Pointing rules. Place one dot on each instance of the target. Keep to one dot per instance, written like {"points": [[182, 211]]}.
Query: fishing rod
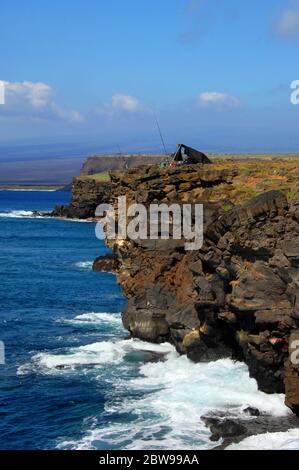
{"points": [[161, 136]]}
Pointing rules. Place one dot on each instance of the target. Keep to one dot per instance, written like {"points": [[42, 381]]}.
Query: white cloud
{"points": [[122, 105], [34, 94], [288, 23], [214, 98], [67, 114], [126, 103], [34, 99]]}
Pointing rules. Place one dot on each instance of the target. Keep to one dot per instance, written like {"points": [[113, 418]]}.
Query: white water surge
{"points": [[172, 397], [85, 265], [17, 214], [270, 441], [155, 403]]}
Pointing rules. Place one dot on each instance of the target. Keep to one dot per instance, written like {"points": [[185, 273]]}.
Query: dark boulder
{"points": [[108, 263], [224, 428], [250, 411]]}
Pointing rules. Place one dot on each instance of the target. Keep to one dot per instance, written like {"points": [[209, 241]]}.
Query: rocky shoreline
{"points": [[235, 297], [87, 193], [233, 429]]}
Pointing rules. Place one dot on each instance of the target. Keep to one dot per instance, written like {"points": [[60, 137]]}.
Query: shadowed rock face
{"points": [[233, 429], [87, 194], [105, 264], [236, 297]]}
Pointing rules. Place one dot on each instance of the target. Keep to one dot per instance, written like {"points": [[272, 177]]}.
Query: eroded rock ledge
{"points": [[236, 297], [87, 194]]}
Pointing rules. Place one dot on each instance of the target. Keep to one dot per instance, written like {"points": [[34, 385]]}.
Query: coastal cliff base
{"points": [[235, 297]]}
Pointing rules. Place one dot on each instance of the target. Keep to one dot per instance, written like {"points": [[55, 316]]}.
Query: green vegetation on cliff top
{"points": [[255, 174], [101, 177]]}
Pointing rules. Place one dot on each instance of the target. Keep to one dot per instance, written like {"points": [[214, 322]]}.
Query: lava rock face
{"points": [[105, 264], [87, 194], [238, 296], [234, 428]]}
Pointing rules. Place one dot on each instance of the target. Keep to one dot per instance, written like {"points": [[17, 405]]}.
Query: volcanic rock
{"points": [[235, 297]]}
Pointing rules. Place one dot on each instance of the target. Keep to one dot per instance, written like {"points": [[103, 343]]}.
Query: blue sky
{"points": [[217, 73]]}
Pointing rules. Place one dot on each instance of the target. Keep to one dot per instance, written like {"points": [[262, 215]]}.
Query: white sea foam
{"points": [[22, 214], [172, 396], [105, 352], [82, 221], [221, 385], [97, 321], [95, 354], [86, 265], [270, 441], [99, 318], [31, 190], [17, 214], [163, 401]]}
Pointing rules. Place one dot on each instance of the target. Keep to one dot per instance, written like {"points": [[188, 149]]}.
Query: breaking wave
{"points": [[17, 214], [96, 318], [162, 394], [154, 398], [270, 441], [95, 354], [85, 265], [30, 190], [22, 214], [104, 352], [172, 395]]}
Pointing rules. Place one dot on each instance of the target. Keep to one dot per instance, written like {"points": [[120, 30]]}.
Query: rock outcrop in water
{"points": [[236, 297], [234, 429], [105, 264]]}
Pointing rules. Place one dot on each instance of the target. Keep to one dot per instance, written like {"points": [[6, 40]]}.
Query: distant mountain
{"points": [[58, 162], [48, 163]]}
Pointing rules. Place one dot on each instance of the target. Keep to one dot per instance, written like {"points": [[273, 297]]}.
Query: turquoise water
{"points": [[71, 379]]}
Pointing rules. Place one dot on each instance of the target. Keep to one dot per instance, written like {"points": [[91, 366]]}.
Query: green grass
{"points": [[101, 177], [251, 177], [293, 194], [227, 207], [255, 177], [253, 156]]}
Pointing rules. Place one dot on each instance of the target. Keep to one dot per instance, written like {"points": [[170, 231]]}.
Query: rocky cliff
{"points": [[87, 194], [235, 297], [88, 191], [98, 164]]}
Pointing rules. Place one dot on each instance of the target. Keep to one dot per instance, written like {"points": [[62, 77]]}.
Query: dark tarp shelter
{"points": [[188, 155]]}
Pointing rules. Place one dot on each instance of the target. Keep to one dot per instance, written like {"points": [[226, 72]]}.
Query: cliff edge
{"points": [[235, 297], [99, 164]]}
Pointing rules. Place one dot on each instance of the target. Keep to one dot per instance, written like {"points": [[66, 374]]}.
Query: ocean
{"points": [[72, 379]]}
